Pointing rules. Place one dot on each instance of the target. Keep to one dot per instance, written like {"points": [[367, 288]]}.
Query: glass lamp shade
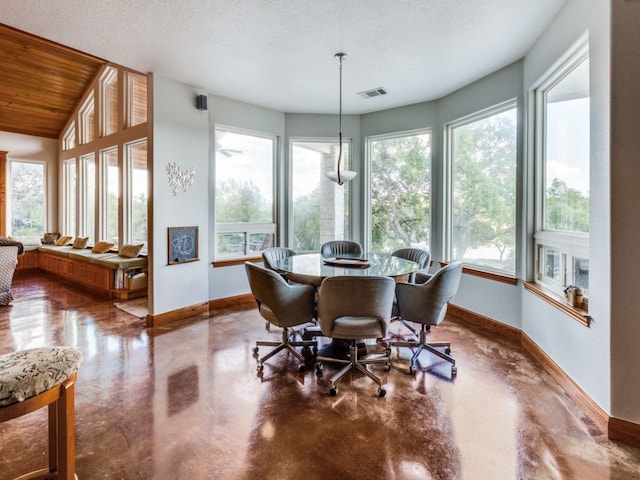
{"points": [[345, 175]]}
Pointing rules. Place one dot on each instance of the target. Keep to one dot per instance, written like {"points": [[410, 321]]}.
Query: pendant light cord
{"points": [[340, 56]]}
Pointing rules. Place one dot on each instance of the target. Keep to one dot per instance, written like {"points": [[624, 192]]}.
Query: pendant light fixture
{"points": [[337, 175]]}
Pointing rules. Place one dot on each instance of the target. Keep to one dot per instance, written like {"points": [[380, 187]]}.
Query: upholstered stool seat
{"points": [[37, 377]]}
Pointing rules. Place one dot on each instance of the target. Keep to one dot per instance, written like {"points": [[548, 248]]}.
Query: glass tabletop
{"points": [[312, 268]]}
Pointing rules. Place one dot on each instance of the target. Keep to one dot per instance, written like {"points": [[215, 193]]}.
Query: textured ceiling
{"points": [[280, 53]]}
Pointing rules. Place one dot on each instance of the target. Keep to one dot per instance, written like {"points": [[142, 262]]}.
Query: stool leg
{"points": [[66, 431], [53, 436]]}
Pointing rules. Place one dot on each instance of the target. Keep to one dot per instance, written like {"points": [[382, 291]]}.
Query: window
{"points": [[482, 158], [69, 137], [69, 197], [111, 194], [244, 194], [109, 101], [562, 152], [87, 120], [136, 168], [320, 207], [400, 179], [27, 198], [87, 186], [136, 105]]}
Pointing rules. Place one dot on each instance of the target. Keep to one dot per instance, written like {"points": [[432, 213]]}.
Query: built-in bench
{"points": [[106, 273]]}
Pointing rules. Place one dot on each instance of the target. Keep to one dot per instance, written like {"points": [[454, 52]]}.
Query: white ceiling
{"points": [[280, 53]]}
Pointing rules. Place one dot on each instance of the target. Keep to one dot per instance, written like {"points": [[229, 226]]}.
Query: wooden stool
{"points": [[34, 378]]}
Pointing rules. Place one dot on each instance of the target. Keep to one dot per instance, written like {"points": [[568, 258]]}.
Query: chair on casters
{"points": [[426, 304], [422, 258], [336, 248], [354, 308], [271, 255], [284, 306], [35, 378]]}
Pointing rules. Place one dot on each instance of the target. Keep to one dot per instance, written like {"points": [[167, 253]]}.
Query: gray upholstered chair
{"points": [[272, 255], [422, 258], [336, 248], [355, 308], [8, 263], [426, 304], [284, 306]]}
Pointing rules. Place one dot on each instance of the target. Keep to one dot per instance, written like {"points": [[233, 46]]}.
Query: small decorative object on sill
{"points": [[574, 295]]}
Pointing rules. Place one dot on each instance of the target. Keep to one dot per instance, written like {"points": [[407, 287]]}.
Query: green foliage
{"points": [[306, 222], [400, 192], [484, 205], [27, 199], [241, 202], [566, 208]]}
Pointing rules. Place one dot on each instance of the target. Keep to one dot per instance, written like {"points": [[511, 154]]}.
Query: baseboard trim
{"points": [[179, 314], [616, 429], [246, 299]]}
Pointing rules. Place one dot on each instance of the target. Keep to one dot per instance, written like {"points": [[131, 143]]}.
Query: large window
{"points": [[87, 192], [320, 207], [482, 158], [27, 198], [562, 163], [136, 168], [244, 194], [400, 208], [69, 189], [110, 195]]}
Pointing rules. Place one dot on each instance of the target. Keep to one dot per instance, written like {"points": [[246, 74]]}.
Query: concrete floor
{"points": [[185, 402]]}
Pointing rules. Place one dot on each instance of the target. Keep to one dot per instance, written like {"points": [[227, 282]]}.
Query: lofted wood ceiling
{"points": [[41, 83]]}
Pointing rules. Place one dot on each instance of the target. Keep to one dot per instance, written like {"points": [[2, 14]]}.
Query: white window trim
{"points": [[447, 182], [244, 227], [570, 244], [45, 220], [368, 171]]}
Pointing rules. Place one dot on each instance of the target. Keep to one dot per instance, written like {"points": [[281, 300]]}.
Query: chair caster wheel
{"points": [[381, 392], [454, 370], [255, 350], [333, 391], [447, 350], [302, 368], [260, 368], [318, 371]]}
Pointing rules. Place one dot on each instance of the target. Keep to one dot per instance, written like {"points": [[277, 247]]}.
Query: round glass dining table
{"points": [[312, 268]]}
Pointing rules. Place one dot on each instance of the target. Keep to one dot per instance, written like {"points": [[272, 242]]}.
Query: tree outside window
{"points": [[27, 199]]}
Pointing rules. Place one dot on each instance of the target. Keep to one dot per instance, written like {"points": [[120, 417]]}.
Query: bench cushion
{"points": [[30, 372], [109, 259]]}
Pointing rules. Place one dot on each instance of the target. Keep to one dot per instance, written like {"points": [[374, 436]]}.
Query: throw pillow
{"points": [[50, 238], [62, 241], [80, 242], [102, 247], [130, 251]]}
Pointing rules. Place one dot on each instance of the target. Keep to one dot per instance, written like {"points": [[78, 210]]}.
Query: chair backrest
{"points": [[271, 255], [421, 257], [350, 296], [427, 302], [282, 304], [335, 248]]}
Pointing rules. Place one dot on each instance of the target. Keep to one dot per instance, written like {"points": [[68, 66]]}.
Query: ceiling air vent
{"points": [[376, 92]]}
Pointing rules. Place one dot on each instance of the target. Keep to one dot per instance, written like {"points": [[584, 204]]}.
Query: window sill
{"points": [[577, 313], [498, 277], [230, 262]]}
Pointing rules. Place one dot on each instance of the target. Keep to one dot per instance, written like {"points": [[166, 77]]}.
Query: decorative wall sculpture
{"points": [[179, 178]]}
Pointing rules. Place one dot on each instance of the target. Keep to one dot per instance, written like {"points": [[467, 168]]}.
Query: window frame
{"points": [[45, 193], [368, 219], [247, 228], [346, 165], [570, 244], [448, 188]]}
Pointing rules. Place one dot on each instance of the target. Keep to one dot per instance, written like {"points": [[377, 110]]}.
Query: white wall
{"points": [[180, 135], [583, 353], [26, 147], [625, 221]]}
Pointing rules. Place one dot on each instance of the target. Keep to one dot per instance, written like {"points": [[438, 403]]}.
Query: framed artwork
{"points": [[183, 244]]}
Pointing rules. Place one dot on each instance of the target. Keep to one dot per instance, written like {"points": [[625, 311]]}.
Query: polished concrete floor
{"points": [[185, 402]]}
